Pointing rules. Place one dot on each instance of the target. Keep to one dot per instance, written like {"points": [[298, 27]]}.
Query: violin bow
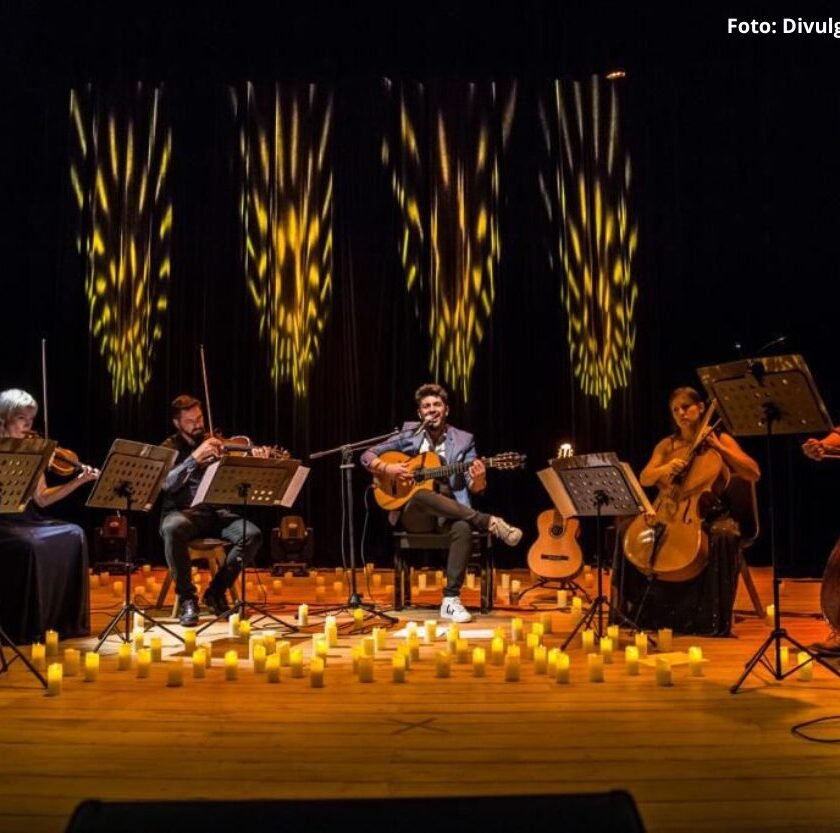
{"points": [[206, 389]]}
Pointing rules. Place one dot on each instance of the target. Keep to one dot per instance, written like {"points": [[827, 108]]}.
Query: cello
{"points": [[672, 545]]}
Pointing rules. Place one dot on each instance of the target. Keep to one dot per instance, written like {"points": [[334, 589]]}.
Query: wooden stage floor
{"points": [[694, 756]]}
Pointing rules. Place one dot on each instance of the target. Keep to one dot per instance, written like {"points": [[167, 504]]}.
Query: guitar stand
{"points": [[556, 584]]}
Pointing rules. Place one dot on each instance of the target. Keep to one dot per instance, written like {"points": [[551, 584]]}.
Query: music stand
{"points": [[22, 462], [769, 397], [590, 485], [250, 481], [130, 480]]}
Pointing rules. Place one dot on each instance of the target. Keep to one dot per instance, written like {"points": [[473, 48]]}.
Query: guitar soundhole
{"points": [[556, 531]]}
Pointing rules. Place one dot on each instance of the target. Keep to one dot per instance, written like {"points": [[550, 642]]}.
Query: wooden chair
{"points": [[408, 543], [740, 498], [211, 550]]}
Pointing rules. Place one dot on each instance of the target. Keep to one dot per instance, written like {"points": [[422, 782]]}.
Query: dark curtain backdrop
{"points": [[735, 184]]}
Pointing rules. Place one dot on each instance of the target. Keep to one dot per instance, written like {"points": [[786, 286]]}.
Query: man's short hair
{"points": [[182, 403], [431, 389]]}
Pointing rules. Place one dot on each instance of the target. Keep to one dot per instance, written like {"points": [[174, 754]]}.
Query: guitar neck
{"points": [[450, 469]]}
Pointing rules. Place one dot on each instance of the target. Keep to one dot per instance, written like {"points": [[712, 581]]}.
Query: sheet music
{"points": [[206, 481], [294, 487]]}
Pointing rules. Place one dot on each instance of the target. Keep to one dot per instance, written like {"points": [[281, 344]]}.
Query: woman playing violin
{"points": [[38, 551], [692, 467]]}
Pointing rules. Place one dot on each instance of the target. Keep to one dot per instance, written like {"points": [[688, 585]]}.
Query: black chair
{"points": [[742, 502]]}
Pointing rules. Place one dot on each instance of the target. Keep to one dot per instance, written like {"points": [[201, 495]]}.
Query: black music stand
{"points": [[769, 397], [22, 462], [130, 481], [250, 481], [595, 485]]}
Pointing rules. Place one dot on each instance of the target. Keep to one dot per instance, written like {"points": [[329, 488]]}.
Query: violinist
{"points": [[702, 603], [181, 522], [33, 545]]}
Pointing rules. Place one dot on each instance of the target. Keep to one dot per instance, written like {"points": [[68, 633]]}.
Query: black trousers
{"points": [[431, 511]]}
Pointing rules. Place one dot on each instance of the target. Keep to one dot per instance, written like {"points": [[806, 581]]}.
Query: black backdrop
{"points": [[736, 177]]}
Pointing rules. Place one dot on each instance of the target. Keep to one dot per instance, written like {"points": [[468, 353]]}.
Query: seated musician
{"points": [[449, 507], [181, 522], [39, 552], [703, 603]]}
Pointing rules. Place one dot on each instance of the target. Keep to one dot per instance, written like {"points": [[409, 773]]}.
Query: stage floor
{"points": [[694, 756]]}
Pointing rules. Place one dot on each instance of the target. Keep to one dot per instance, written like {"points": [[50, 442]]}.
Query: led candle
{"points": [[320, 581], [695, 661], [538, 628], [51, 642], [531, 642], [595, 663], [377, 580], [199, 663], [545, 623], [664, 639], [296, 662], [462, 652], [497, 651], [272, 668], [551, 662], [288, 575], [138, 638], [406, 652], [663, 672], [516, 629], [631, 660], [277, 586], [540, 659], [471, 581], [421, 581], [156, 646], [72, 662], [245, 632], [339, 572], [54, 679], [231, 665], [338, 587], [147, 568], [770, 614], [479, 662], [175, 673], [614, 634], [512, 664], [189, 640], [144, 663], [413, 643], [91, 667], [207, 647], [562, 599], [587, 640], [369, 646], [358, 617], [641, 641], [506, 581], [588, 578], [785, 656], [430, 631], [321, 650], [443, 664], [806, 672], [284, 651], [411, 629], [364, 668], [38, 655], [563, 668], [577, 607], [316, 673], [606, 649], [331, 632], [104, 578], [398, 667], [303, 615], [259, 658], [233, 626], [124, 657], [369, 568], [515, 587], [320, 594], [118, 587]]}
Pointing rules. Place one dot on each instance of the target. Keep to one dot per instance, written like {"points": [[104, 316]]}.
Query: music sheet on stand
{"points": [[294, 487]]}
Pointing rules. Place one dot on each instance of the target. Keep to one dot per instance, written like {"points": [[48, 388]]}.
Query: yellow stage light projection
{"points": [[585, 188], [119, 173], [444, 155], [285, 140]]}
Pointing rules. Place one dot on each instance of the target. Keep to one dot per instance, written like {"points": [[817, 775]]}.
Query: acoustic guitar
{"points": [[393, 493], [556, 553]]}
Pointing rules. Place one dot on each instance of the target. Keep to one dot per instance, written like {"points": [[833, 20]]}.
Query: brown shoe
{"points": [[830, 647]]}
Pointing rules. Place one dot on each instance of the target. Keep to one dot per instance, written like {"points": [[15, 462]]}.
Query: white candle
{"points": [[316, 673], [104, 578], [479, 662], [380, 635], [577, 609], [233, 626], [516, 629], [595, 662], [320, 594], [156, 646], [296, 662], [531, 642], [338, 587], [430, 631], [207, 647], [259, 658], [695, 660], [245, 632], [663, 672], [38, 655], [614, 634], [364, 668], [199, 663], [144, 663], [770, 614], [563, 667], [288, 575], [321, 650], [413, 644], [506, 581], [439, 577], [358, 617], [118, 587], [538, 629], [91, 667], [303, 615], [398, 667], [421, 581], [551, 668], [189, 640], [471, 581], [272, 668], [72, 662], [462, 652], [545, 622], [377, 580], [515, 587], [175, 675], [277, 586], [231, 665], [664, 639], [320, 581], [138, 638], [443, 664], [588, 578], [562, 598], [631, 660], [641, 641], [806, 672], [55, 675], [497, 651], [785, 656], [270, 642], [331, 632], [587, 640], [284, 651], [540, 659], [605, 647], [124, 657], [147, 568], [51, 642], [369, 646], [512, 664]]}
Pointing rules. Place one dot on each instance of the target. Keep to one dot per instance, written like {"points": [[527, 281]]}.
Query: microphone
{"points": [[424, 424]]}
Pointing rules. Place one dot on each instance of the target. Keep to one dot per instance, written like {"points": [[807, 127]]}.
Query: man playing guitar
{"points": [[449, 507]]}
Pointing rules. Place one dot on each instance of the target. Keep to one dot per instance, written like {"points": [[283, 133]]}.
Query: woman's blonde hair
{"points": [[13, 402]]}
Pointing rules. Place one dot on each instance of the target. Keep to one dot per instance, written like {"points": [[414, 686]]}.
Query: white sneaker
{"points": [[452, 609], [511, 535]]}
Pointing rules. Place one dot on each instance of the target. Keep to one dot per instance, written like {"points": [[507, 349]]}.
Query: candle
{"points": [[664, 639], [538, 628], [453, 634], [320, 581], [516, 629], [563, 666], [421, 581], [614, 634], [499, 632], [320, 594], [91, 666], [443, 664], [770, 614], [515, 587], [296, 662], [189, 640], [364, 668], [303, 615], [663, 672], [377, 580], [531, 642], [316, 673], [207, 647], [54, 679], [117, 587], [338, 587], [512, 664], [551, 669], [588, 578], [369, 568], [284, 651], [175, 675], [595, 662], [38, 655], [506, 581], [462, 652], [695, 661], [156, 645], [379, 637], [147, 568], [369, 646], [72, 662], [587, 640], [358, 617], [321, 649], [631, 660], [331, 632], [806, 672], [406, 652], [562, 598], [233, 626], [138, 638], [245, 632], [144, 663], [411, 628], [288, 575], [104, 578], [497, 651], [785, 656], [577, 607], [471, 581], [479, 662], [438, 576], [199, 663], [272, 668], [270, 642], [277, 586], [259, 658], [606, 648], [124, 657], [398, 667], [545, 623], [51, 642], [231, 665], [641, 641], [339, 572], [540, 659], [430, 631], [413, 643]]}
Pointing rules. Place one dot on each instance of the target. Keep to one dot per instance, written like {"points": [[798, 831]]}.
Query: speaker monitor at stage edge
{"points": [[611, 812]]}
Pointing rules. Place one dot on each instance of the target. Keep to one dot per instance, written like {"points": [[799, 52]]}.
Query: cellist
{"points": [[702, 604]]}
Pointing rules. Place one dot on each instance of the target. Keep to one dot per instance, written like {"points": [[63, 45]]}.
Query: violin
{"points": [[64, 462], [241, 446]]}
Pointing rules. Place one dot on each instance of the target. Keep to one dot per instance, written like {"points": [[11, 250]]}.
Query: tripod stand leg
{"points": [[5, 641]]}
